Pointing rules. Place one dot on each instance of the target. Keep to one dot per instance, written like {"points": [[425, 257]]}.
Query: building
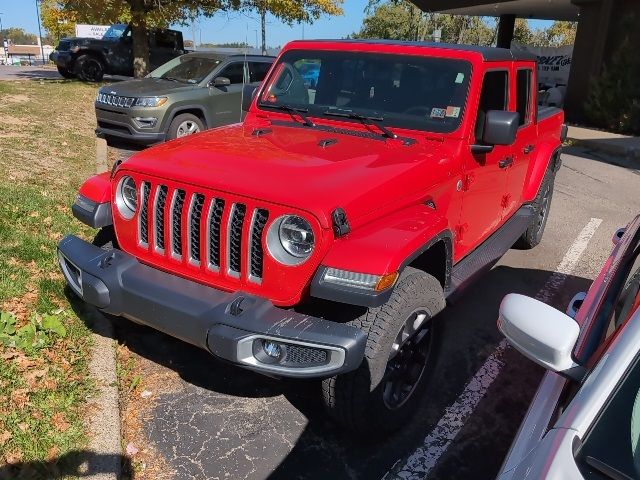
{"points": [[598, 36]]}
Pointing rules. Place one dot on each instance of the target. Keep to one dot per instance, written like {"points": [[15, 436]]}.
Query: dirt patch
{"points": [[11, 120], [15, 98]]}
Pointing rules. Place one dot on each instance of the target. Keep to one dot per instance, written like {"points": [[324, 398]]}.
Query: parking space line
{"points": [[424, 458]]}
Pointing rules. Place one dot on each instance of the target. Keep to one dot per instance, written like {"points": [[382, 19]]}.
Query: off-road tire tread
{"points": [[345, 396], [529, 238]]}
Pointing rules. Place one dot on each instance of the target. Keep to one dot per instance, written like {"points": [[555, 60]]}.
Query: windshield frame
{"points": [[389, 121]]}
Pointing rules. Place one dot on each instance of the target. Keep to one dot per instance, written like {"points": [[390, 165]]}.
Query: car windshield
{"points": [[186, 69], [414, 92], [114, 31]]}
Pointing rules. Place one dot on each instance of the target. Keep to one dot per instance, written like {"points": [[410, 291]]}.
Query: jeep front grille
{"points": [[115, 100], [214, 234]]}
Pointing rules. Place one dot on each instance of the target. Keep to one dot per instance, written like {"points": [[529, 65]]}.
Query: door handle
{"points": [[505, 162], [529, 149]]}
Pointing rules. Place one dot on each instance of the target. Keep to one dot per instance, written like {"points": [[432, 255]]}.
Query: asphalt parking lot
{"points": [[212, 420]]}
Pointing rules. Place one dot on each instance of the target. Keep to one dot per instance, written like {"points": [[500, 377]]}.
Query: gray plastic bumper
{"points": [[232, 326]]}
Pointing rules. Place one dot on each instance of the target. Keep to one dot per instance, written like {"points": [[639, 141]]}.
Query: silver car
{"points": [[584, 421]]}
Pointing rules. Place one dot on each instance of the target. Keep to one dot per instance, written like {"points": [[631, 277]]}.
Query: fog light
{"points": [[269, 351], [272, 349]]}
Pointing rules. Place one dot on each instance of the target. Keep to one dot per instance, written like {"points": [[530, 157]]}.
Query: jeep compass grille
{"points": [[209, 233]]}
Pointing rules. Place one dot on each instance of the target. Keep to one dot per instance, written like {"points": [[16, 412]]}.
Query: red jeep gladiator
{"points": [[321, 236]]}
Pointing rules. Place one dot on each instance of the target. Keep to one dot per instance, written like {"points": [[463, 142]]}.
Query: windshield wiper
{"points": [[375, 121], [293, 111], [173, 79]]}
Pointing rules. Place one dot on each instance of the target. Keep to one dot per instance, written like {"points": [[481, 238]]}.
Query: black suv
{"points": [[90, 58]]}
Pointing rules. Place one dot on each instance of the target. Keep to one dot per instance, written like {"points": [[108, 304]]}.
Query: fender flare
{"points": [[549, 152], [93, 203], [384, 246], [175, 111]]}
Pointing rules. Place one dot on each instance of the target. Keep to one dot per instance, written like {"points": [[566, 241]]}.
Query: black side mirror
{"points": [[500, 127], [248, 93], [221, 82]]}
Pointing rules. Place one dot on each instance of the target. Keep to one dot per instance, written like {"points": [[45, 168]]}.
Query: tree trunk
{"points": [[263, 24], [140, 38]]}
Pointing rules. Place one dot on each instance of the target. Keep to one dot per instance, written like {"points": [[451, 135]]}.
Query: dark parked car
{"points": [[90, 58], [184, 96]]}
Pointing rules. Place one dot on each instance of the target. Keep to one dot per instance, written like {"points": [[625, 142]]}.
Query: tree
{"points": [[290, 11], [402, 20], [57, 22], [614, 98], [18, 36]]}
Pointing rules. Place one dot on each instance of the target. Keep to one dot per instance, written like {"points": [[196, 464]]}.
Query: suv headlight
{"points": [[150, 101], [290, 240], [127, 197]]}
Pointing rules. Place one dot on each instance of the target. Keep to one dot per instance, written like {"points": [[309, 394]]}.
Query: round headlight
{"points": [[127, 197], [296, 236], [290, 240]]}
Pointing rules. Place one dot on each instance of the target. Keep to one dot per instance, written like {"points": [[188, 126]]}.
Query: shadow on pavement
{"points": [[76, 464], [598, 156], [287, 433]]}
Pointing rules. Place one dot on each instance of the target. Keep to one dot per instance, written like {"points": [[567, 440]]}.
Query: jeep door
{"points": [[523, 151], [223, 102], [484, 181], [119, 55]]}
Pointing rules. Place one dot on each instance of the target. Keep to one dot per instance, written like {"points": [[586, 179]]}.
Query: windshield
{"points": [[115, 31], [421, 93], [186, 69]]}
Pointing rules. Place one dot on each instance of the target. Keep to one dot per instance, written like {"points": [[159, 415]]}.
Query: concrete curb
{"points": [[105, 457], [104, 423], [629, 152]]}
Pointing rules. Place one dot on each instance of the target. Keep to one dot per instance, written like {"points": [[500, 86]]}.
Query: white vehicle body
{"points": [[561, 434]]}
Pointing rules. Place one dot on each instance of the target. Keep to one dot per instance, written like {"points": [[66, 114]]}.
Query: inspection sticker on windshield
{"points": [[438, 112], [453, 112], [460, 78]]}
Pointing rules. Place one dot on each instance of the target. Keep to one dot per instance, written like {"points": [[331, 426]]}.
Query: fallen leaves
{"points": [[59, 423], [5, 436], [20, 397]]}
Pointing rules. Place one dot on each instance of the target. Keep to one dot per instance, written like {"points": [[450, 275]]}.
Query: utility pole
{"points": [[40, 31]]}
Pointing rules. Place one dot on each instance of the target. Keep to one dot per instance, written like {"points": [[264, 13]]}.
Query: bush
{"points": [[614, 97]]}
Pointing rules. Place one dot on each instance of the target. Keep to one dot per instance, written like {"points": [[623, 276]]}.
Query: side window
{"points": [[523, 95], [165, 39], [258, 70], [234, 72], [494, 96]]}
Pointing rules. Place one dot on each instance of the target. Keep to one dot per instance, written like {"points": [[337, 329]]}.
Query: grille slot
{"points": [[260, 217], [213, 228], [213, 234], [159, 209], [195, 213], [143, 219], [176, 223], [234, 238]]}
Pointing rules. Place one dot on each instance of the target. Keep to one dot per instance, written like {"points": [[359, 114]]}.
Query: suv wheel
{"points": [[89, 68], [65, 73], [183, 125], [383, 393], [542, 204]]}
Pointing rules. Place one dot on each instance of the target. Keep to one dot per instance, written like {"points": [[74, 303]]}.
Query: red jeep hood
{"points": [[289, 166]]}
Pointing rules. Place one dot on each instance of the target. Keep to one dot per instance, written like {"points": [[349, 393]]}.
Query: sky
{"points": [[227, 27]]}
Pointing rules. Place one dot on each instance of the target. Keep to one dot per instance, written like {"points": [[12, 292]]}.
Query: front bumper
{"points": [[229, 325], [62, 59], [118, 123]]}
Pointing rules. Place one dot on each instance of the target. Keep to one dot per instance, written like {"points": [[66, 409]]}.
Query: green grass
{"points": [[46, 150]]}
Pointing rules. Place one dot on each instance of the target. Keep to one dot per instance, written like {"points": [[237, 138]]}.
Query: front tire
{"points": [[183, 125], [382, 394], [65, 73], [89, 68]]}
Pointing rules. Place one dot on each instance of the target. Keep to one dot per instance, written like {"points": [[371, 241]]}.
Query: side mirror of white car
{"points": [[541, 333]]}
